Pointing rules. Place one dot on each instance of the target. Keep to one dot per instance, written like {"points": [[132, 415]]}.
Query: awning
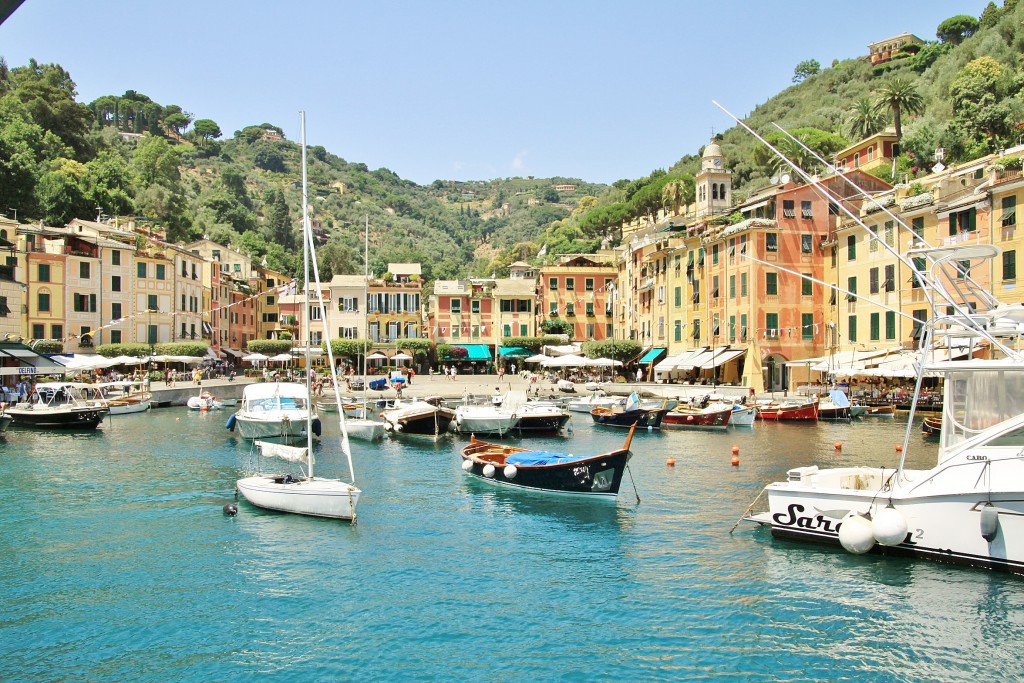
{"points": [[706, 356], [652, 355], [477, 351], [18, 359], [513, 352], [722, 357], [206, 328], [234, 352]]}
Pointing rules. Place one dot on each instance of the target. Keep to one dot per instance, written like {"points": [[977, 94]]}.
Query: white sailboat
{"points": [[305, 494]]}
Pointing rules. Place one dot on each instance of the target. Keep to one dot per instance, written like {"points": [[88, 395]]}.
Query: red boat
{"points": [[686, 417], [789, 410]]}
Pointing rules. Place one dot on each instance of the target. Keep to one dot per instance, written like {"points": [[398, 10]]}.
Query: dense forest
{"points": [[126, 155]]}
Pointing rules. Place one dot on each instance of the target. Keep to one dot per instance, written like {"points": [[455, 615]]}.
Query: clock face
{"points": [[718, 162]]}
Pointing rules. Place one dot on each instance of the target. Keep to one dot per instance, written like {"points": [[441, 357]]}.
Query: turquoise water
{"points": [[120, 565]]}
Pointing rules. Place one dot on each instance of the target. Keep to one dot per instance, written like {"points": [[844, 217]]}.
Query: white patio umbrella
{"points": [[281, 357], [401, 356], [129, 360], [376, 356], [254, 357], [603, 362], [568, 361], [538, 358]]}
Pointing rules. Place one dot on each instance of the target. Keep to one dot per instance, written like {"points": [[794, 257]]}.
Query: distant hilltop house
{"points": [[565, 188], [885, 50], [271, 135]]}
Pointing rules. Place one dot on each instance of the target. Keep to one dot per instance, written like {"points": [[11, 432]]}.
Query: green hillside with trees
{"points": [[126, 155]]}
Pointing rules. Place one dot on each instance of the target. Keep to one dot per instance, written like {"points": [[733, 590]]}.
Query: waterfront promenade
{"points": [[424, 386]]}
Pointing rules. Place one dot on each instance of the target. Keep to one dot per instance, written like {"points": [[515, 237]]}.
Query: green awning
{"points": [[477, 351], [651, 355], [514, 352]]}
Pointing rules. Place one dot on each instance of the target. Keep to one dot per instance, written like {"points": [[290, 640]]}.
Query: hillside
{"points": [[127, 155]]}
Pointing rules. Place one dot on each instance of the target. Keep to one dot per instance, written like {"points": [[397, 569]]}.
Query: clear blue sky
{"points": [[460, 90]]}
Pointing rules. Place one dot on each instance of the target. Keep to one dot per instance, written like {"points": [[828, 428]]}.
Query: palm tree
{"points": [[675, 195], [899, 96], [862, 120]]}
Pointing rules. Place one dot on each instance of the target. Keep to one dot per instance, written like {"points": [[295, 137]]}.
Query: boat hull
{"points": [[942, 528], [315, 497], [270, 428], [743, 417], [807, 411], [61, 418], [433, 423], [643, 419], [364, 430], [692, 419], [542, 423], [127, 406], [596, 477]]}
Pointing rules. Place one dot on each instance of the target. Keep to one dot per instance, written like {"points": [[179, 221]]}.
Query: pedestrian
{"points": [[513, 368], [639, 374], [412, 373], [454, 372]]}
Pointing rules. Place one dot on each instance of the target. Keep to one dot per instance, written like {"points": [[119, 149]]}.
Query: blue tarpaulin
{"points": [[541, 458]]}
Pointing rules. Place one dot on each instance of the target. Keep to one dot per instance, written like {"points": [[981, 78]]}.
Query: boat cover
{"points": [[839, 398], [535, 458]]}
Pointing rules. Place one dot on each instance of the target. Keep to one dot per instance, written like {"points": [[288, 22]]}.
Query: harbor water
{"points": [[119, 565]]}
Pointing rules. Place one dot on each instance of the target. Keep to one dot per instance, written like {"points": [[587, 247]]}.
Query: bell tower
{"points": [[713, 183]]}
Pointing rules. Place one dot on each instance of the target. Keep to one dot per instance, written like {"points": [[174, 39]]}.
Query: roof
{"points": [[404, 268], [348, 281], [451, 287], [513, 287]]}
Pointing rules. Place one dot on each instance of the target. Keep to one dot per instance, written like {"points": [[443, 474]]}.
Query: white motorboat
{"points": [[204, 401], [305, 494], [968, 508], [126, 397], [484, 419], [743, 416], [585, 404], [61, 405], [274, 410]]}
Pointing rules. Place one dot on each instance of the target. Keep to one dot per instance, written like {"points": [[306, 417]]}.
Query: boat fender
{"points": [[856, 534], [989, 522], [316, 426], [889, 526], [489, 470], [467, 465], [510, 471], [231, 423]]}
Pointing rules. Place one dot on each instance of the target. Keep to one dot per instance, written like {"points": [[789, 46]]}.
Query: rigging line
{"points": [[814, 182], [992, 301], [345, 447], [831, 286]]}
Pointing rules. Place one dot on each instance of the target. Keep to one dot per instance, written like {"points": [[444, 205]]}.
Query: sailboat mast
{"points": [[305, 270], [366, 293]]}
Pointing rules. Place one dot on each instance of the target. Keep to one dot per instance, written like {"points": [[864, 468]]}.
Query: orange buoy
{"points": [[899, 448], [735, 461], [735, 450], [839, 445], [671, 462]]}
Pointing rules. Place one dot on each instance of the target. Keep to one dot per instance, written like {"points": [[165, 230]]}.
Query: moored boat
{"points": [[60, 405], [835, 407], [796, 410], [630, 414], [274, 410], [204, 401], [743, 416], [710, 416], [594, 476], [931, 426], [880, 411], [418, 418], [126, 397], [484, 419]]}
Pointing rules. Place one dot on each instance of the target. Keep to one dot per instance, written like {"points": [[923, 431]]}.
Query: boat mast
{"points": [[366, 296], [305, 268]]}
